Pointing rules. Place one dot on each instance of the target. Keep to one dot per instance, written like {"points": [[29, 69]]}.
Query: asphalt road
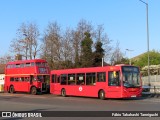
{"points": [[47, 102]]}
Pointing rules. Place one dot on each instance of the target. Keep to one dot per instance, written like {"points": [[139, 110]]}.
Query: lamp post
{"points": [[146, 3], [129, 55]]}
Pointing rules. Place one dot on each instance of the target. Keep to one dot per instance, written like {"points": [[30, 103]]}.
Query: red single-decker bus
{"points": [[27, 76], [120, 81]]}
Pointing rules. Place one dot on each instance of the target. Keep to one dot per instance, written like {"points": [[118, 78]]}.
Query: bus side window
{"points": [[53, 78], [80, 79], [57, 79], [113, 78], [12, 79], [101, 76], [71, 79], [63, 79], [21, 79], [26, 79], [90, 78], [16, 79]]}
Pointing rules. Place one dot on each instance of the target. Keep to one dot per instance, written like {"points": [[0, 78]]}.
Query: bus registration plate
{"points": [[133, 96]]}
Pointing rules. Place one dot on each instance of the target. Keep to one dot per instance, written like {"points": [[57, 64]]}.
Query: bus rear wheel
{"points": [[102, 95], [11, 89], [33, 90], [63, 92]]}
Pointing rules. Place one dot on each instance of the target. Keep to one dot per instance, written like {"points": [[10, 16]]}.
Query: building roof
{"points": [[2, 68]]}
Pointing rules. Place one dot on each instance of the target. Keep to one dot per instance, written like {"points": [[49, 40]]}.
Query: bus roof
{"points": [[91, 69], [25, 61]]}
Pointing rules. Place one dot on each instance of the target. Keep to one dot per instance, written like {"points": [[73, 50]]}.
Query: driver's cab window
{"points": [[113, 78]]}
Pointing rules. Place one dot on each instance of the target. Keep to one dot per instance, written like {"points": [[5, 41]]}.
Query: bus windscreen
{"points": [[131, 76]]}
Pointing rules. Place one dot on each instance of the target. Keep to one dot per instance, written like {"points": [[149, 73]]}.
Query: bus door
{"points": [[31, 79], [114, 84], [80, 84], [39, 82], [45, 83], [55, 84]]}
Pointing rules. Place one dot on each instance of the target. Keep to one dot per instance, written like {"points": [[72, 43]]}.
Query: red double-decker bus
{"points": [[27, 76], [121, 81]]}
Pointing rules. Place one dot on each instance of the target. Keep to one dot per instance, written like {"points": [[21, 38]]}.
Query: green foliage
{"points": [[142, 61], [87, 55], [98, 54]]}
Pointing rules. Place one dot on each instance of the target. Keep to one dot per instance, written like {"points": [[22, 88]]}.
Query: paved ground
{"points": [[47, 102]]}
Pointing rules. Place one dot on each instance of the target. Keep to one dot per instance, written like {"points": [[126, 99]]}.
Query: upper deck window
{"points": [[32, 64], [8, 66], [22, 65], [28, 64], [11, 66], [17, 65], [41, 64]]}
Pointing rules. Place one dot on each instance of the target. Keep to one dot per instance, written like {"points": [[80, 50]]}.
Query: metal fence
{"points": [[154, 82]]}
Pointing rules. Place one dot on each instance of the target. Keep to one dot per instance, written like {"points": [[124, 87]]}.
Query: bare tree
{"points": [[117, 55], [67, 48], [6, 58], [26, 42], [52, 48], [101, 36]]}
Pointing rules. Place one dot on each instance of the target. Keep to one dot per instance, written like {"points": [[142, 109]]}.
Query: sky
{"points": [[124, 20]]}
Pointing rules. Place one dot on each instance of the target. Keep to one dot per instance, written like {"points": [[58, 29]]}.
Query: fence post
{"points": [[154, 89]]}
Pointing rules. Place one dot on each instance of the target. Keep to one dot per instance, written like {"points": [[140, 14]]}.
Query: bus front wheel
{"points": [[33, 90], [11, 89], [102, 95], [63, 92]]}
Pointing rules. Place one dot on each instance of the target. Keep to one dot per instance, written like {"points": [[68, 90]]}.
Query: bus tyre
{"points": [[33, 90], [11, 89], [63, 92], [102, 95]]}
